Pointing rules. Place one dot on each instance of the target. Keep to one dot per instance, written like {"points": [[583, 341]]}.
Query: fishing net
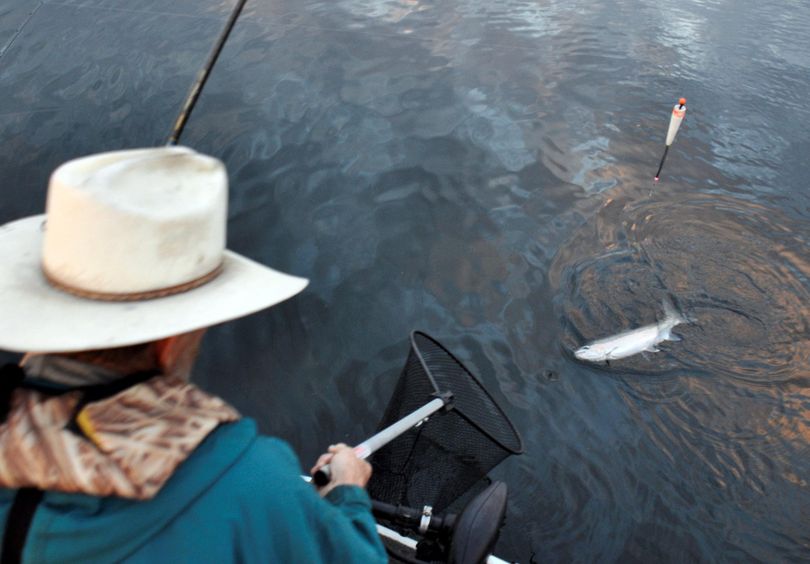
{"points": [[438, 461]]}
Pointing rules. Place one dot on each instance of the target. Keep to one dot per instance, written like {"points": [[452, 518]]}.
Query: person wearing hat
{"points": [[107, 452]]}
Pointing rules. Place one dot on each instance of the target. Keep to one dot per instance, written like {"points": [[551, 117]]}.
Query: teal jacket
{"points": [[238, 498]]}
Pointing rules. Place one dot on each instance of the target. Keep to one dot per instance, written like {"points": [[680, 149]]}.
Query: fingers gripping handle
{"points": [[322, 476]]}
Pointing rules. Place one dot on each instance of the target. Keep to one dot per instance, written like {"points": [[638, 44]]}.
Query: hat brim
{"points": [[36, 317]]}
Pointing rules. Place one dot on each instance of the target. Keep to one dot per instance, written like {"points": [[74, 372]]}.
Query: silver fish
{"points": [[643, 339]]}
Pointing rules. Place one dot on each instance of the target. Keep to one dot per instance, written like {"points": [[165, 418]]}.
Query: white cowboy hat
{"points": [[131, 249]]}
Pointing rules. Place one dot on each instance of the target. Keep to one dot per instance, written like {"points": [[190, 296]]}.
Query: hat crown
{"points": [[136, 221]]}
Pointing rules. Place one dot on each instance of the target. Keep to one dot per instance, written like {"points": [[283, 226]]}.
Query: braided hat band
{"points": [[131, 296]]}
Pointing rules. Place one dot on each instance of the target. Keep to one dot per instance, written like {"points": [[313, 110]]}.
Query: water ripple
{"points": [[732, 394], [734, 266]]}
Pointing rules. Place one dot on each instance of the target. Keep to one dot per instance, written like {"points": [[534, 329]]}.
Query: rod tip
{"points": [[655, 180]]}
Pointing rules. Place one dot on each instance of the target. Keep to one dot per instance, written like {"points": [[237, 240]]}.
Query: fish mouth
{"points": [[585, 353]]}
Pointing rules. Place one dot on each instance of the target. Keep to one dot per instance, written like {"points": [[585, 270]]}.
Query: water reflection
{"points": [[481, 170]]}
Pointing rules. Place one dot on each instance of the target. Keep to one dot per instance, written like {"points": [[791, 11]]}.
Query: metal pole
{"points": [[411, 543], [202, 76], [367, 447]]}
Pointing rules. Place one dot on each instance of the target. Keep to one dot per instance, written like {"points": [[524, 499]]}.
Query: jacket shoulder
{"points": [[271, 454], [268, 474]]}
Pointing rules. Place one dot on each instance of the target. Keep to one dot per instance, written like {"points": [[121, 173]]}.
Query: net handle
{"points": [[365, 449]]}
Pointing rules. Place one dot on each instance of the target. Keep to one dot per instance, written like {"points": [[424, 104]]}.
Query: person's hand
{"points": [[344, 466]]}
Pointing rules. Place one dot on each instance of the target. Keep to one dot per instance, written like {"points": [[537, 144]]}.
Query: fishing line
{"points": [[675, 120], [202, 76]]}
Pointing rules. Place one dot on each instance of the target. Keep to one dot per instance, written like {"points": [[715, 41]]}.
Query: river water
{"points": [[482, 171]]}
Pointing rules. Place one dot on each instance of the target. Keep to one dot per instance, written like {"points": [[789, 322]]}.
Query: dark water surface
{"points": [[481, 170]]}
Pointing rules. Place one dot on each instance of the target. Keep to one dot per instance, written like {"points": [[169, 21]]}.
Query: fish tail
{"points": [[671, 314]]}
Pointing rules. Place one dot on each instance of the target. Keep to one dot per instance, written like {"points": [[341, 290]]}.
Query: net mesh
{"points": [[437, 462]]}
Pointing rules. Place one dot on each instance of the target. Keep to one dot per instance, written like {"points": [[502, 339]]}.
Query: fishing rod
{"points": [[678, 113], [202, 76]]}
